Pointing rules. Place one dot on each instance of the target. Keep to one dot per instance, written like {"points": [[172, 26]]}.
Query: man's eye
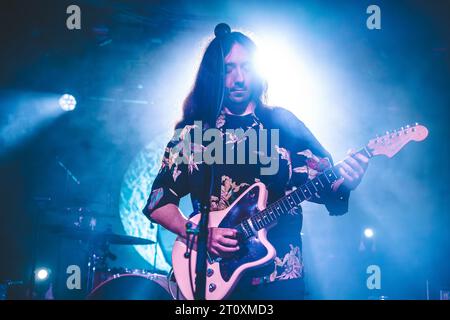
{"points": [[229, 69], [247, 67]]}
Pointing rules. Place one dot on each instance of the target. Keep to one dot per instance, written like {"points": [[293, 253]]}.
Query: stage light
{"points": [[291, 81], [368, 233], [42, 274], [67, 102]]}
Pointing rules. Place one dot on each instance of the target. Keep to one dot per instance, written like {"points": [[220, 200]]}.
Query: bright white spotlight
{"points": [[291, 81], [67, 102], [368, 233], [42, 274]]}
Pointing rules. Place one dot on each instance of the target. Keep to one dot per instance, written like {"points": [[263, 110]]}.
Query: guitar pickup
{"points": [[247, 229]]}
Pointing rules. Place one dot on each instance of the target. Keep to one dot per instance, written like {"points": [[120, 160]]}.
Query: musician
{"points": [[300, 155]]}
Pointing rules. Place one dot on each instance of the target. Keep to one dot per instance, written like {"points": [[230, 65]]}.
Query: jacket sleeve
{"points": [[171, 182], [308, 158]]}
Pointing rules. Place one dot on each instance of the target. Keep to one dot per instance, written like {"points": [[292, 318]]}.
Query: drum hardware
{"points": [[135, 286], [98, 247], [102, 282], [96, 237]]}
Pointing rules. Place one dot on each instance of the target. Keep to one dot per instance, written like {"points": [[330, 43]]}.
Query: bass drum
{"points": [[143, 286]]}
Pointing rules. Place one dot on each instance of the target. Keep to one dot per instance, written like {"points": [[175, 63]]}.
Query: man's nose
{"points": [[239, 75]]}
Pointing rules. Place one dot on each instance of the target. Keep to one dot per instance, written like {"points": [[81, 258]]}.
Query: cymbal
{"points": [[96, 236], [85, 211]]}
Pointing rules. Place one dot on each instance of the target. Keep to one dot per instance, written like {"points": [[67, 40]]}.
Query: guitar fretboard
{"points": [[284, 205]]}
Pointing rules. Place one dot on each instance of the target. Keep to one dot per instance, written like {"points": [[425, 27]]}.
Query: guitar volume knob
{"points": [[209, 272], [212, 287]]}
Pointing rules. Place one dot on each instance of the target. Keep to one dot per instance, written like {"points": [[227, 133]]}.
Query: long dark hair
{"points": [[202, 101]]}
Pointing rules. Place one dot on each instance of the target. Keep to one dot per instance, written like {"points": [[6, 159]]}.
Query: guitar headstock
{"points": [[392, 142]]}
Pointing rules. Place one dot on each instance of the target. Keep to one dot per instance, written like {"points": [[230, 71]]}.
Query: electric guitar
{"points": [[250, 216]]}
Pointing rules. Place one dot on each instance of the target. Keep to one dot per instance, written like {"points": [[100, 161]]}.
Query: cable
{"points": [[169, 287]]}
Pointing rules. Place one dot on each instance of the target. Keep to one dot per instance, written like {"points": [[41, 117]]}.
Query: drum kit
{"points": [[105, 283]]}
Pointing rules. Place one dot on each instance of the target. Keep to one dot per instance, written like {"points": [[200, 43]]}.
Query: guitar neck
{"points": [[284, 205]]}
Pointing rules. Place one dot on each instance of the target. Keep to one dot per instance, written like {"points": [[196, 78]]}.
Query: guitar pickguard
{"points": [[251, 249]]}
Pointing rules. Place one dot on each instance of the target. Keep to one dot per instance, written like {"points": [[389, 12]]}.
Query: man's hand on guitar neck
{"points": [[352, 170]]}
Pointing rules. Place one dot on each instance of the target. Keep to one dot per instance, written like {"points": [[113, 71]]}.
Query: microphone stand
{"points": [[202, 244], [203, 232]]}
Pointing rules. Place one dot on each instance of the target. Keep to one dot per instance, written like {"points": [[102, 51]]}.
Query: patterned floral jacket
{"points": [[300, 155]]}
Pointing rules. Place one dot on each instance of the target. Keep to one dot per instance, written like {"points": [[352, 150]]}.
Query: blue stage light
{"points": [[368, 233], [67, 102], [42, 274]]}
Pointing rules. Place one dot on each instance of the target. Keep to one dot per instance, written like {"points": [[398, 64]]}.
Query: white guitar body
{"points": [[218, 287]]}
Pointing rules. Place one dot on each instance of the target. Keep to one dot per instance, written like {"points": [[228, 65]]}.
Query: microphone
{"points": [[221, 30]]}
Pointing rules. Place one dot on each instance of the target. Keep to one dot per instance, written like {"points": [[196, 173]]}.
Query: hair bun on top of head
{"points": [[221, 30]]}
